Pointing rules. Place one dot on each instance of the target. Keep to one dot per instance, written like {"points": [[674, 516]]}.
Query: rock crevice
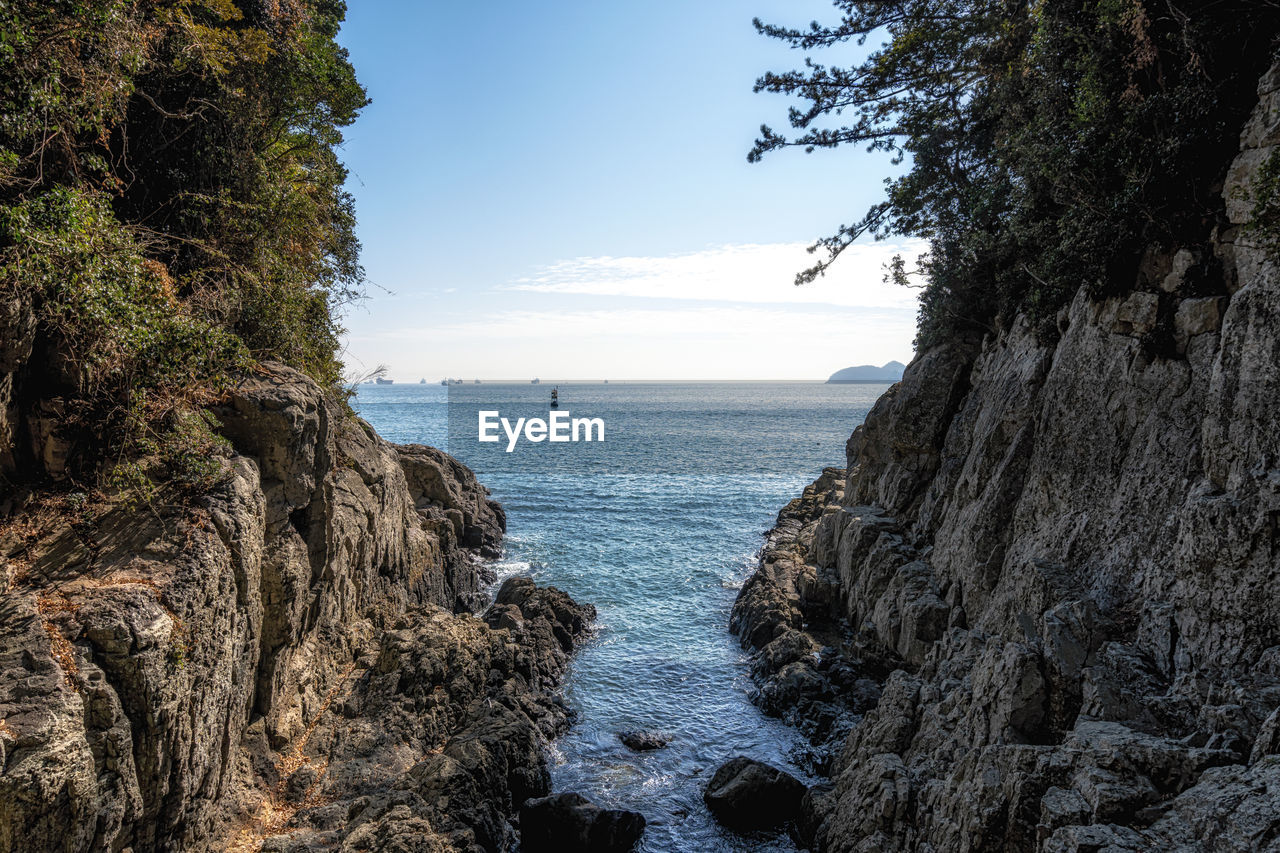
{"points": [[1037, 610], [287, 662]]}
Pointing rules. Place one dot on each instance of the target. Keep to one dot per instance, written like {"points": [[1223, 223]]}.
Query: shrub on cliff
{"points": [[171, 201], [1049, 141]]}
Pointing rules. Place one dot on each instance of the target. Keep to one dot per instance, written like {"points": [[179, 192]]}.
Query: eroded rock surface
{"points": [[746, 794], [1038, 610], [643, 741], [437, 736], [285, 658], [570, 823]]}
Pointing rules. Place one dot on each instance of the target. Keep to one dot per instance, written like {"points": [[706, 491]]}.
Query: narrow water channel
{"points": [[657, 527]]}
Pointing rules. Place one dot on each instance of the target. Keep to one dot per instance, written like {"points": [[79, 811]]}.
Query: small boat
{"points": [[475, 381], [536, 382], [555, 398], [444, 381], [422, 381]]}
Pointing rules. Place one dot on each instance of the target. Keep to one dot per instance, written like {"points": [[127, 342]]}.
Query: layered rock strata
{"points": [[289, 657], [1043, 600]]}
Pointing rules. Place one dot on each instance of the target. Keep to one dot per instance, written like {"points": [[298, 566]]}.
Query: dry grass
{"points": [[274, 810], [123, 580], [62, 652], [19, 572], [48, 513], [53, 603], [49, 606]]}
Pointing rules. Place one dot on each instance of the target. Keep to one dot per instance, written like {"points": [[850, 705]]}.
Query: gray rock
{"points": [[569, 823], [644, 741], [747, 794], [279, 656], [1056, 556], [1136, 315]]}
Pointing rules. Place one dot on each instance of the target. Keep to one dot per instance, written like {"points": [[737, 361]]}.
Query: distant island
{"points": [[890, 372]]}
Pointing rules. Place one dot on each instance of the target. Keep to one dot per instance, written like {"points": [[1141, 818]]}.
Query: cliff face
{"points": [[224, 668], [1044, 599]]}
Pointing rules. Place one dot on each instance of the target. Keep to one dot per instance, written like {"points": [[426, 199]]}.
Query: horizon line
{"points": [[526, 381]]}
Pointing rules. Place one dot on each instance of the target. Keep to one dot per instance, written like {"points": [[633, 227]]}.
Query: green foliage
{"points": [[114, 313], [182, 450], [1264, 220], [1049, 142], [171, 204]]}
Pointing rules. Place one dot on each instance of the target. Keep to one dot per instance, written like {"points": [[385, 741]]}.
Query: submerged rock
{"points": [[746, 794], [644, 741], [570, 823]]}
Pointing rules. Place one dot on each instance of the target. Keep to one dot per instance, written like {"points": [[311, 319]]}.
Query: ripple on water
{"points": [[657, 528]]}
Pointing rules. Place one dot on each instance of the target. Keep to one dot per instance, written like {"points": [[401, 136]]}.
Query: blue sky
{"points": [[561, 189]]}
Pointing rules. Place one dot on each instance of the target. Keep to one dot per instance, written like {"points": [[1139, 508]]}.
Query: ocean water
{"points": [[657, 526]]}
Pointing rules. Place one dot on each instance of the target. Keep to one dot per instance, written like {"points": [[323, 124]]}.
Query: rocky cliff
{"points": [[1039, 610], [287, 662]]}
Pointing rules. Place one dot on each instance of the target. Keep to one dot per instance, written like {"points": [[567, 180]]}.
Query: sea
{"points": [[658, 526]]}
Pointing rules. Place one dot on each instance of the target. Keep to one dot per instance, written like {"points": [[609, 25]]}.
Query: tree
{"points": [[172, 202], [1048, 141]]}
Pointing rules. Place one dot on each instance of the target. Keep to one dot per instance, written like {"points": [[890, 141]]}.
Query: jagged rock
{"points": [[899, 439], [1198, 317], [570, 823], [438, 481], [1237, 807], [910, 615], [468, 710], [1054, 553], [644, 741], [748, 794], [1136, 315], [560, 621], [1268, 739], [277, 659], [1095, 839]]}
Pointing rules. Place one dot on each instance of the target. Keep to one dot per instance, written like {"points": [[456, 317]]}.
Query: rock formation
{"points": [[286, 662], [1039, 611], [746, 794], [639, 740], [570, 823]]}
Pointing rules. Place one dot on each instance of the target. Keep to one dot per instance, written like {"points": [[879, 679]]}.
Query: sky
{"points": [[561, 190]]}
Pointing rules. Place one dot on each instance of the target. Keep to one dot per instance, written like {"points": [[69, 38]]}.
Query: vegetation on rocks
{"points": [[1048, 143], [171, 208]]}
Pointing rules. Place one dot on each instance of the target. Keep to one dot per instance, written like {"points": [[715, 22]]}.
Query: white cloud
{"points": [[679, 342], [728, 312], [751, 273]]}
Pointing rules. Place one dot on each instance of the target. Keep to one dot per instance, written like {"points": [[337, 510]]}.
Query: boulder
{"points": [[747, 794], [643, 741], [570, 823]]}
